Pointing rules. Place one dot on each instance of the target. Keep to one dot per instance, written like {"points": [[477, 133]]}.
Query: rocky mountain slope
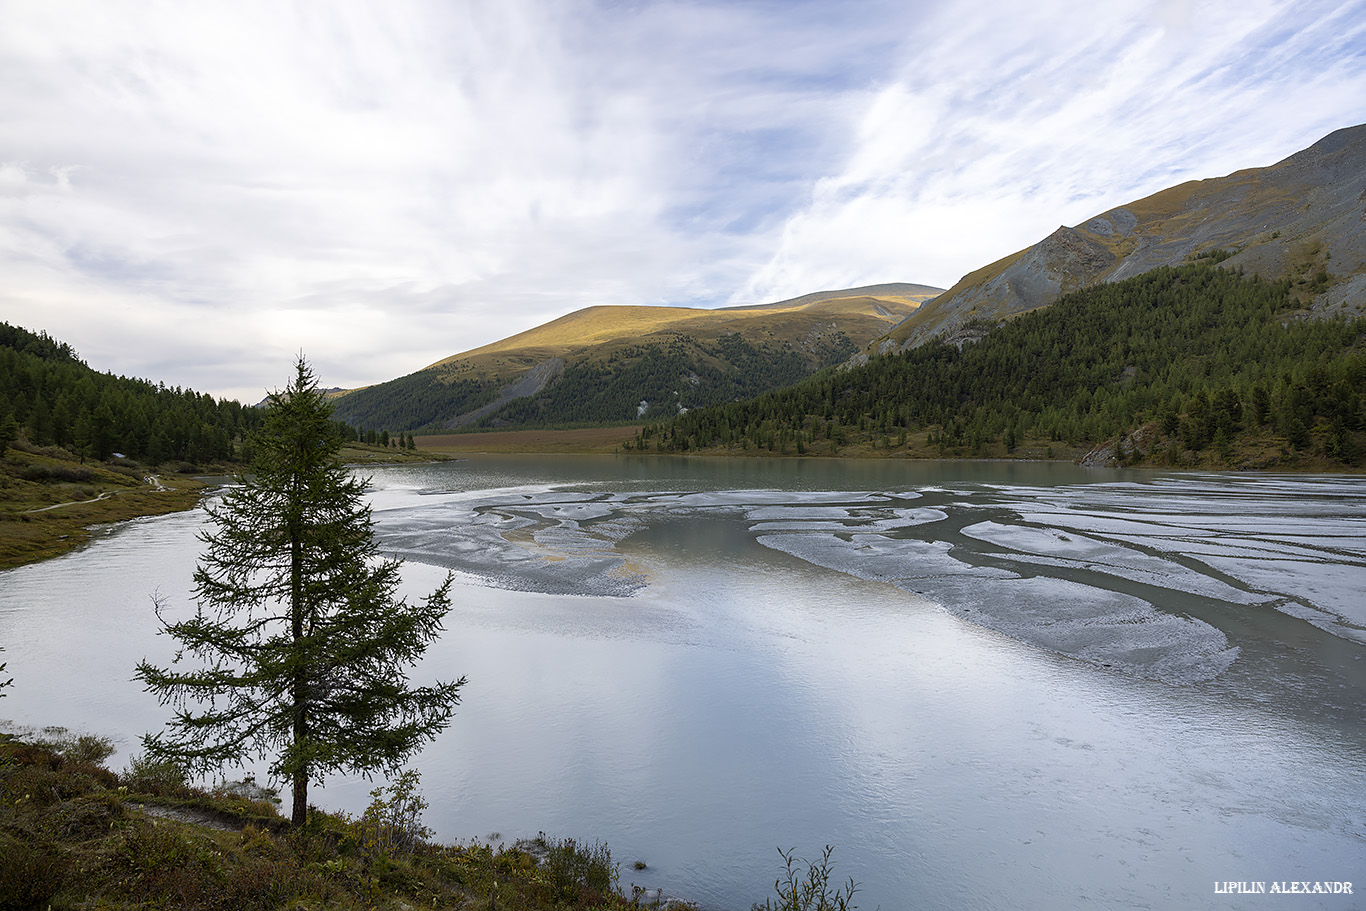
{"points": [[1303, 218]]}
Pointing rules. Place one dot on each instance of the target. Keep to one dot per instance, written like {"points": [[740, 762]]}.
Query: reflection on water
{"points": [[1120, 573], [700, 661]]}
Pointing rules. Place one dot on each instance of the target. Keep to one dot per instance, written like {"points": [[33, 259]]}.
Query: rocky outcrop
{"points": [[529, 383]]}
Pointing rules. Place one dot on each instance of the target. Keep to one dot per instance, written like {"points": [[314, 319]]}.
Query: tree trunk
{"points": [[300, 814], [299, 689]]}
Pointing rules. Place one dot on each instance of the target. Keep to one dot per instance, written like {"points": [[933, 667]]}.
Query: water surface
{"points": [[988, 685]]}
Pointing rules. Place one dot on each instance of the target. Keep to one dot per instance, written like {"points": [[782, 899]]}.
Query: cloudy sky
{"points": [[192, 192]]}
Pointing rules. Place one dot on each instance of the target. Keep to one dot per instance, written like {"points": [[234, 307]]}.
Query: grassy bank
{"points": [[75, 835], [367, 454], [579, 440], [1146, 447], [50, 498]]}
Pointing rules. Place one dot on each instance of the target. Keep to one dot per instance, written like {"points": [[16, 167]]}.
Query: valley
{"points": [[684, 456], [801, 377]]}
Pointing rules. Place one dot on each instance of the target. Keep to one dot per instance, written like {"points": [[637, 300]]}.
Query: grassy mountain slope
{"points": [[600, 364], [1181, 366], [1303, 219]]}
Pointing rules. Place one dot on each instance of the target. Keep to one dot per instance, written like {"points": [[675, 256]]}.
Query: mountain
{"points": [[619, 363], [1302, 219], [1183, 366]]}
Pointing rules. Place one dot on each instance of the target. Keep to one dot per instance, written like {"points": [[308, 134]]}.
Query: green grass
{"points": [[49, 499], [369, 454]]}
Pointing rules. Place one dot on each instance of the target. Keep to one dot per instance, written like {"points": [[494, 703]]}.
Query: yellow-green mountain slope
{"points": [[618, 363]]}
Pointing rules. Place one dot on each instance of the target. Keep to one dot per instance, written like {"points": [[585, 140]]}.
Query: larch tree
{"points": [[299, 647]]}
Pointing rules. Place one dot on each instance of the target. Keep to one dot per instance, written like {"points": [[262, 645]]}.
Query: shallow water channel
{"points": [[987, 685]]}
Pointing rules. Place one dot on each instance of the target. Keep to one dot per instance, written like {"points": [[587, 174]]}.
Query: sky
{"points": [[196, 192]]}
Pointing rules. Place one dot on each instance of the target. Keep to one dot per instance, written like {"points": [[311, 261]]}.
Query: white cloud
{"points": [[1040, 115], [194, 192]]}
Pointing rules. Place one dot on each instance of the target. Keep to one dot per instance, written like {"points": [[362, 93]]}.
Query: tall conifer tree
{"points": [[301, 645]]}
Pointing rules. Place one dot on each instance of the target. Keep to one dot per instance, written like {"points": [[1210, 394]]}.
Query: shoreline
{"points": [[50, 501], [147, 836], [37, 525], [614, 440]]}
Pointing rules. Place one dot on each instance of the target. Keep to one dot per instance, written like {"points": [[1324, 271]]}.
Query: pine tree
{"points": [[302, 645], [9, 428]]}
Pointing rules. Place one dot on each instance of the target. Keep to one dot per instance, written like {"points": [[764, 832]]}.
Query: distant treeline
{"points": [[678, 372], [1200, 355], [666, 377], [50, 397], [424, 399]]}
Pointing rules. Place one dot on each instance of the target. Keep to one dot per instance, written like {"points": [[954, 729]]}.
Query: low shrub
{"points": [[87, 817], [67, 473], [392, 824], [52, 452], [30, 754], [157, 778], [30, 875], [266, 882], [168, 863], [574, 870], [87, 748], [42, 786], [809, 890]]}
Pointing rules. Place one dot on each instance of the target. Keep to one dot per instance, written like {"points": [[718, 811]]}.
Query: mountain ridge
{"points": [[607, 322], [1302, 217], [894, 290], [646, 358]]}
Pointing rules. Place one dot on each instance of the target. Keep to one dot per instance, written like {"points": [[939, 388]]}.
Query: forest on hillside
{"points": [[671, 373], [50, 397], [1202, 359], [425, 399], [663, 378]]}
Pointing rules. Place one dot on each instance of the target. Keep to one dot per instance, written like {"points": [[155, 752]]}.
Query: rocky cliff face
{"points": [[1303, 218]]}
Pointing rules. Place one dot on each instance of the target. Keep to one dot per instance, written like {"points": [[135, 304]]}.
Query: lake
{"points": [[988, 685]]}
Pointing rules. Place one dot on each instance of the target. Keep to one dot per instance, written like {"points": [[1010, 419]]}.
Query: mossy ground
{"points": [[74, 835]]}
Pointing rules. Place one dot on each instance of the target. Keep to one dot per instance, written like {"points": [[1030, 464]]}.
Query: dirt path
{"points": [[184, 814], [151, 479], [104, 496]]}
